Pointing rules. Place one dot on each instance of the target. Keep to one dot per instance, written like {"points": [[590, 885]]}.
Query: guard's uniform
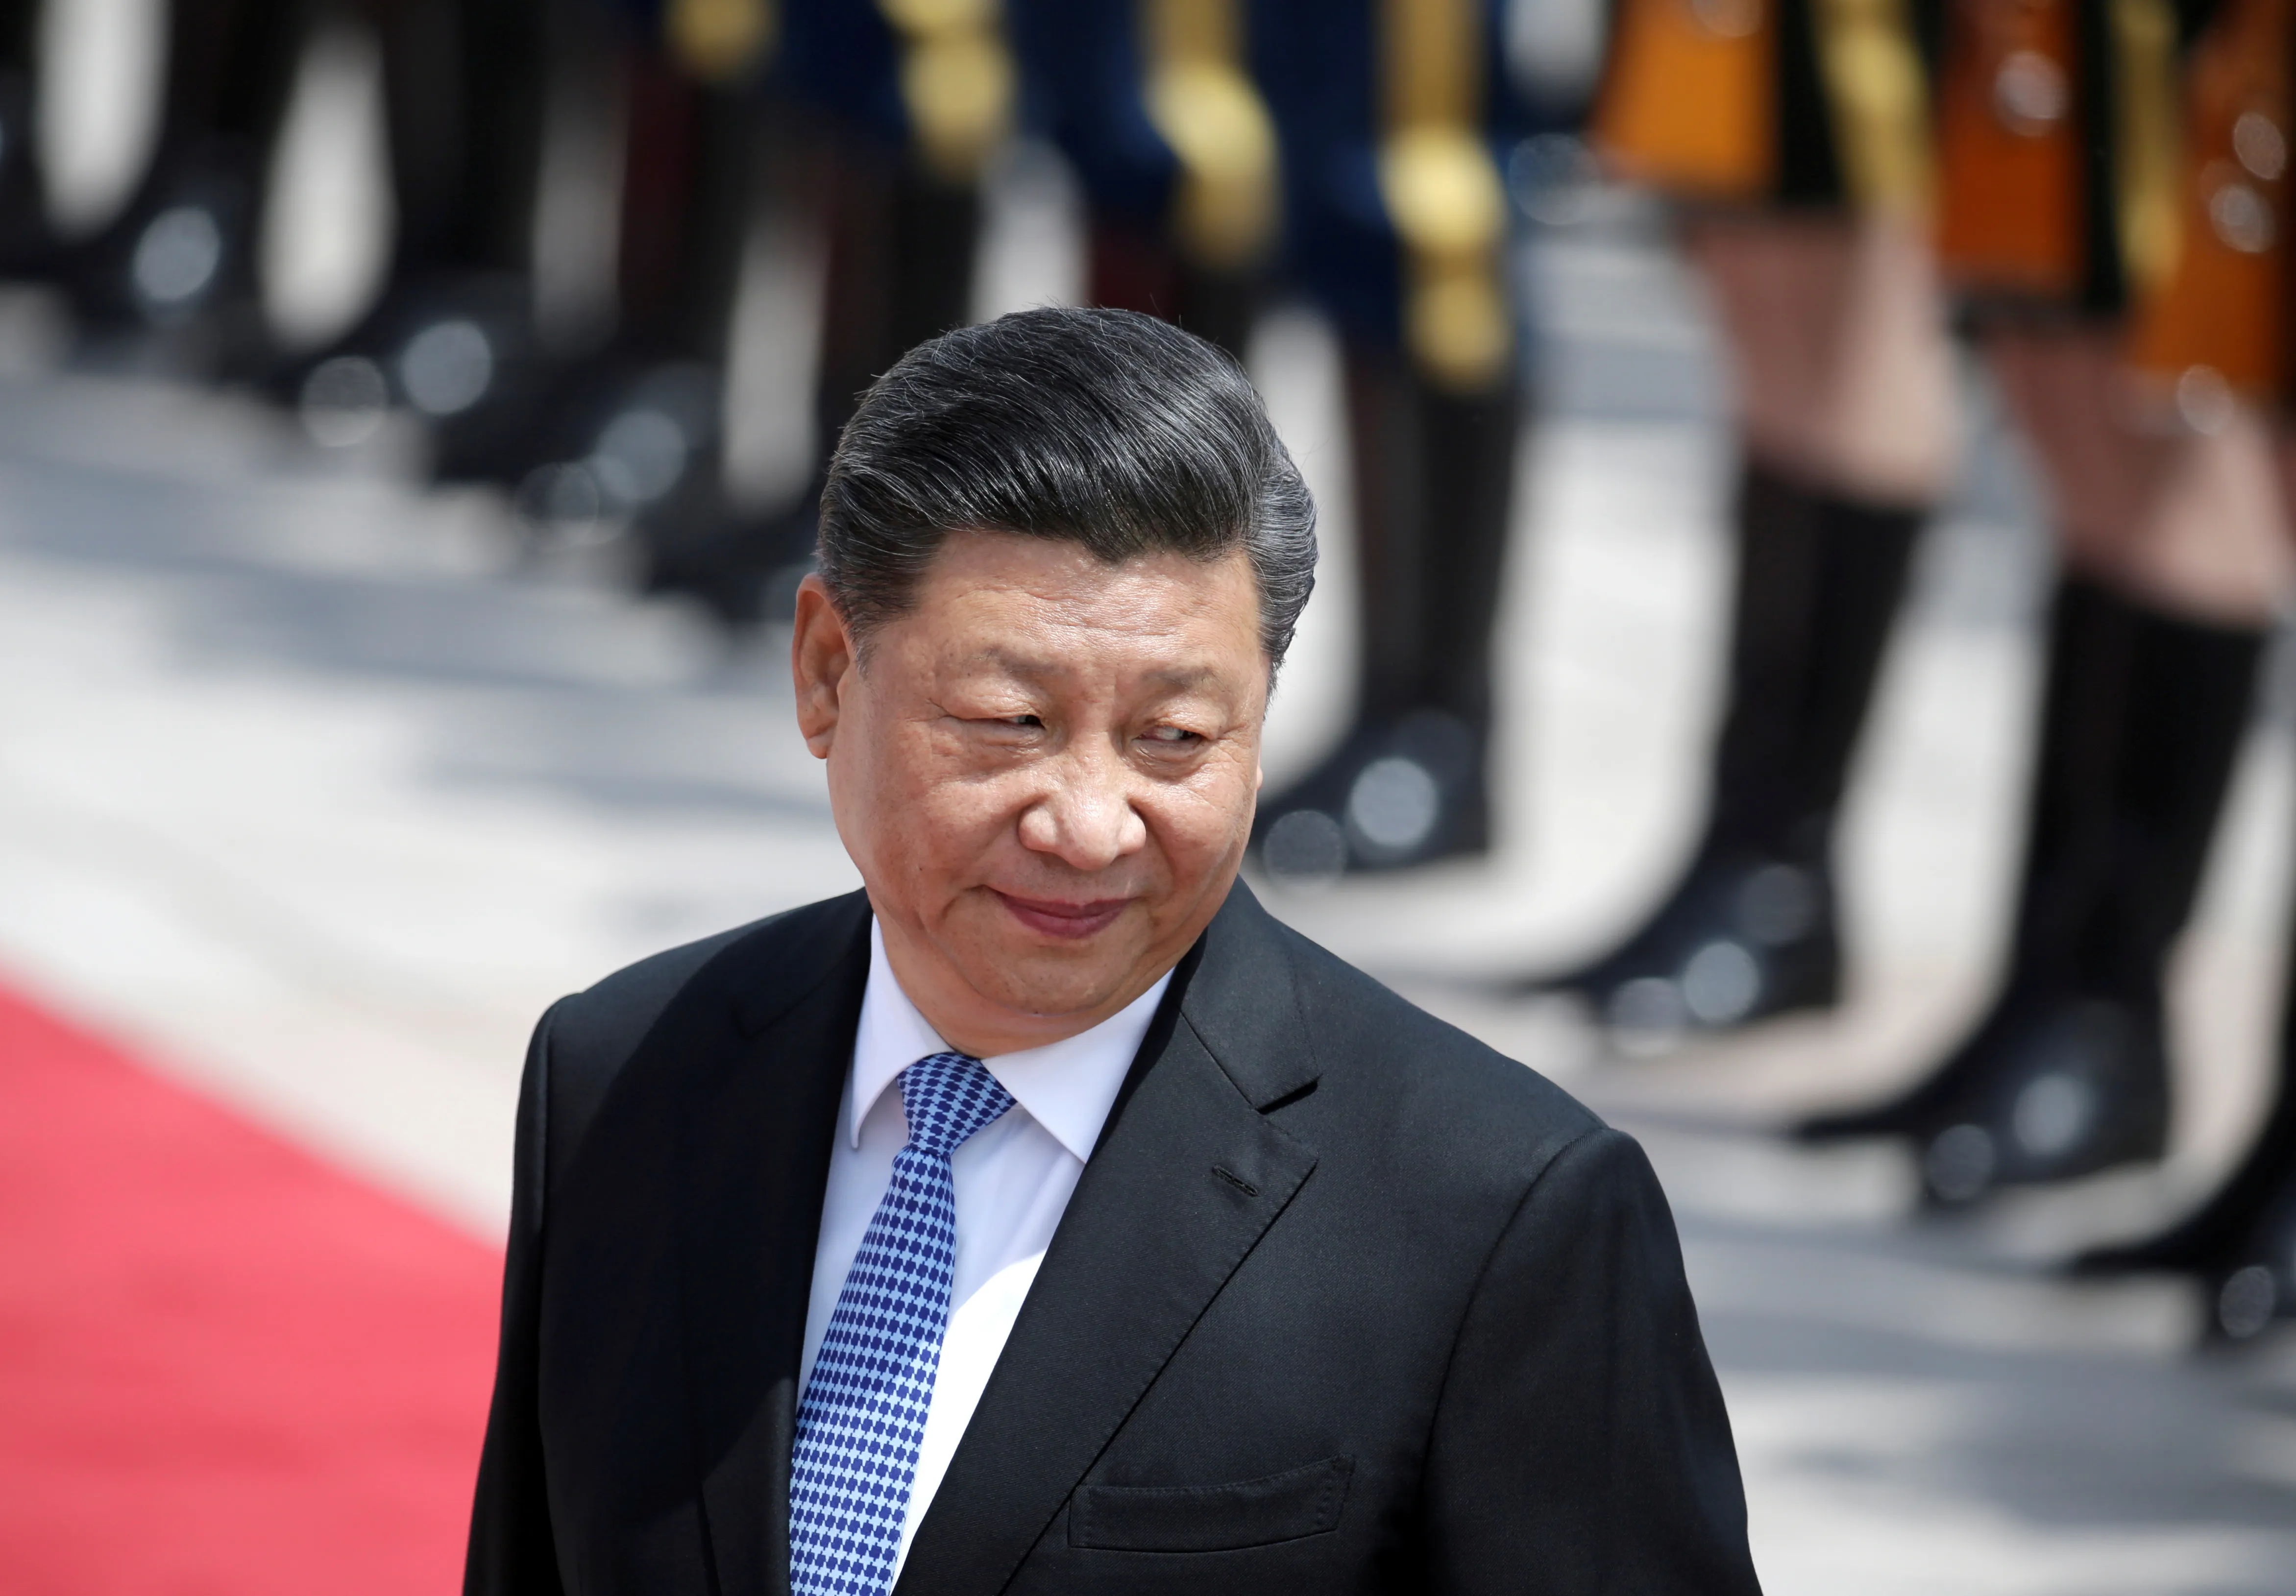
{"points": [[1154, 105], [1390, 114], [27, 242], [879, 116], [1788, 119], [2219, 324], [2060, 221], [453, 336], [177, 267], [1785, 103], [2057, 147]]}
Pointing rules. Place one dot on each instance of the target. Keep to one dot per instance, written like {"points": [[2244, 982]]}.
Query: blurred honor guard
{"points": [[905, 103], [1395, 223], [2225, 324], [2129, 301], [1152, 103], [1795, 136], [452, 338], [2239, 1243], [174, 274], [28, 239], [640, 434]]}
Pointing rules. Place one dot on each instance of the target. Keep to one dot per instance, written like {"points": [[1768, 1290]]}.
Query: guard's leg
{"points": [[27, 242], [180, 258], [1844, 384], [2175, 557]]}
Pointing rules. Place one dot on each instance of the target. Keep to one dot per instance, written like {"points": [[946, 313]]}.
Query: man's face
{"points": [[1045, 771]]}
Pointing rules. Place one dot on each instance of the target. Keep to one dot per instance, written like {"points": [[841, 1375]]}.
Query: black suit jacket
{"points": [[1344, 1302]]}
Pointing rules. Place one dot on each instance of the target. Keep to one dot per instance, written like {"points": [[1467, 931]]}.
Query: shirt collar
{"points": [[1068, 1087]]}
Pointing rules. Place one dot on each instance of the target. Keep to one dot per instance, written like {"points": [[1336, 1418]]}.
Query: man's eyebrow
{"points": [[1184, 676], [1034, 667]]}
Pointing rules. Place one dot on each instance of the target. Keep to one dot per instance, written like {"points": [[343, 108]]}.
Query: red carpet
{"points": [[226, 1368]]}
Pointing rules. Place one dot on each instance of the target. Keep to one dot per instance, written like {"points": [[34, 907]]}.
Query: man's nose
{"points": [[1086, 818]]}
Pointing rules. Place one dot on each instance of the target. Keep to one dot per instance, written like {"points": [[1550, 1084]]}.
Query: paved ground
{"points": [[319, 789]]}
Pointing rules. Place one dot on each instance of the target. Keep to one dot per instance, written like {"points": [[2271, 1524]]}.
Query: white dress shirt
{"points": [[1014, 1179]]}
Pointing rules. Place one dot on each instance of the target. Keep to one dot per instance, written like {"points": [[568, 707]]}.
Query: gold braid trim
{"points": [[719, 41], [1443, 193], [957, 81], [1203, 102], [1878, 93], [2148, 158]]}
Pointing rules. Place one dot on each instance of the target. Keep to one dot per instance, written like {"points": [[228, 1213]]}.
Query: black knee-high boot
{"points": [[902, 246], [180, 258], [684, 144], [2241, 1242], [1751, 930], [27, 242], [2067, 1074], [465, 88], [1434, 494]]}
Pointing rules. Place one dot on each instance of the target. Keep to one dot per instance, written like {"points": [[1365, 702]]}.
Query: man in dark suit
{"points": [[1048, 1217]]}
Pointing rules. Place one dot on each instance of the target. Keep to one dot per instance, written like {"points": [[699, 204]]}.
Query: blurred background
{"points": [[1804, 514]]}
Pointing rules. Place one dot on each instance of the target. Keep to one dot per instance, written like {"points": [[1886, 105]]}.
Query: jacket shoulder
{"points": [[587, 1039], [1450, 1101]]}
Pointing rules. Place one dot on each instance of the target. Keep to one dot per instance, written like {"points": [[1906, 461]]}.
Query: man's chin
{"points": [[1048, 987]]}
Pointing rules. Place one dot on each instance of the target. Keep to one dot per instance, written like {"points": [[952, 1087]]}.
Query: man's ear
{"points": [[821, 653]]}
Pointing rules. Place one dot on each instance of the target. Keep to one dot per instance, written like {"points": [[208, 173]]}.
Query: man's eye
{"points": [[1174, 737], [1029, 722]]}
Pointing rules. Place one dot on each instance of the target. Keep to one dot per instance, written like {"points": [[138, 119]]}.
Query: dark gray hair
{"points": [[1104, 428]]}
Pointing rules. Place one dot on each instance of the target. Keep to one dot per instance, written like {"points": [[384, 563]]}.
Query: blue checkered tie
{"points": [[864, 1414]]}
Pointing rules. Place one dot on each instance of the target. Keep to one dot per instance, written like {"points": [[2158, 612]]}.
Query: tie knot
{"points": [[947, 1097]]}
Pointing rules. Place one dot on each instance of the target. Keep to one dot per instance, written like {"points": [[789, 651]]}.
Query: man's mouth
{"points": [[1071, 921]]}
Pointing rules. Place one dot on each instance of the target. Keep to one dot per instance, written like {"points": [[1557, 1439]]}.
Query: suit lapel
{"points": [[1187, 1144], [756, 1147]]}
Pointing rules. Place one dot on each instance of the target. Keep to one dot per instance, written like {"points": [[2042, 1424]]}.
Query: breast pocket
{"points": [[1289, 1506]]}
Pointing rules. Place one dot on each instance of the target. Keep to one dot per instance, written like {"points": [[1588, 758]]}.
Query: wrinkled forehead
{"points": [[1040, 608]]}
